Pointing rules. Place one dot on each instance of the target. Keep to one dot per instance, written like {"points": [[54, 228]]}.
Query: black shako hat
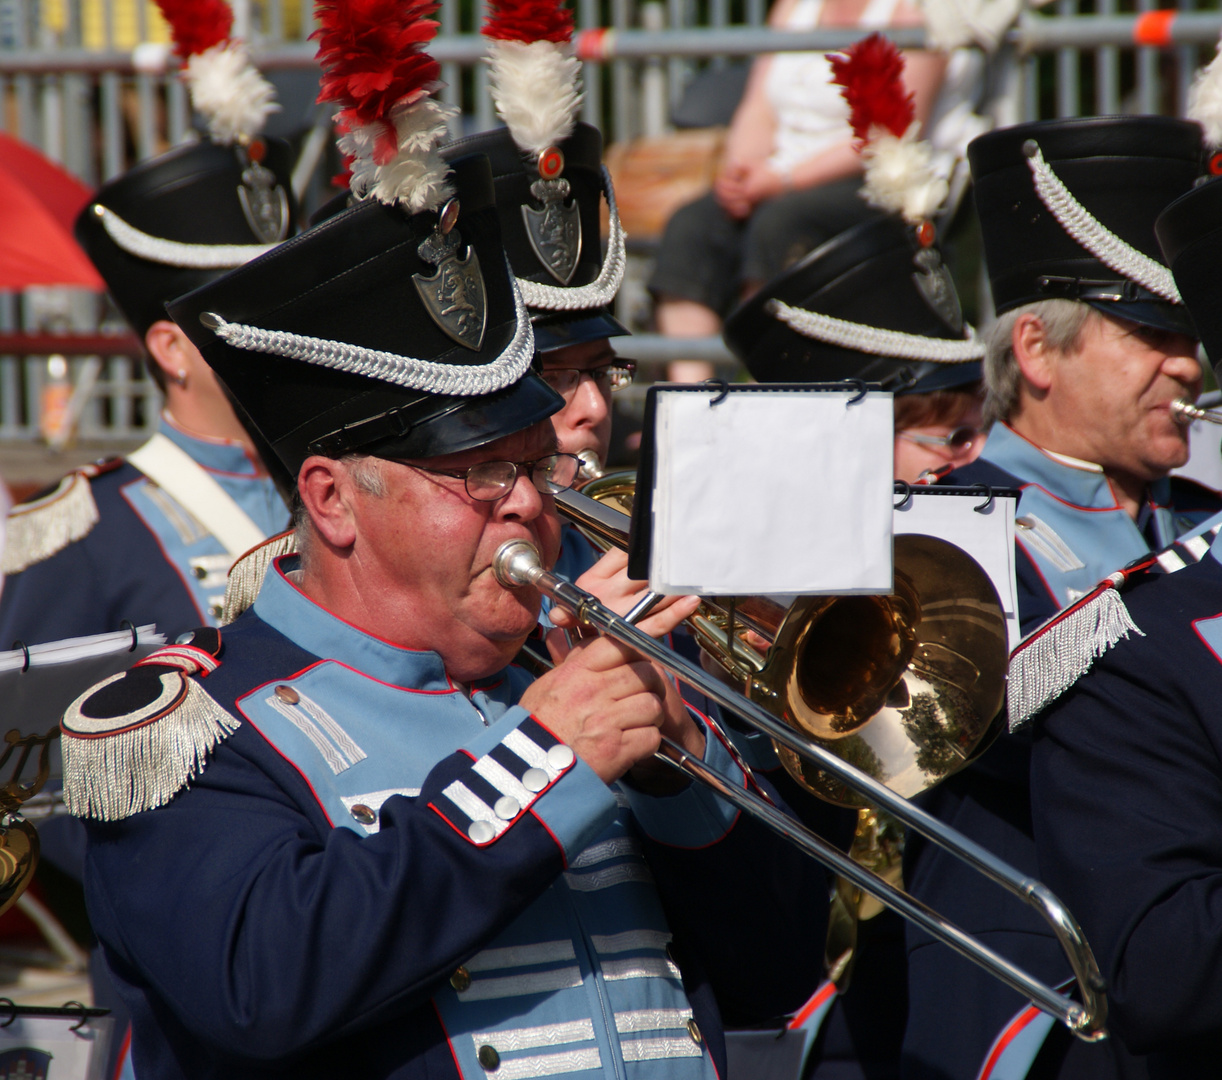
{"points": [[1067, 210], [378, 332], [1189, 232], [180, 220], [872, 303], [550, 222]]}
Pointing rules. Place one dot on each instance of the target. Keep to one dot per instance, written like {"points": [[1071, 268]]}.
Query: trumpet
{"points": [[517, 564]]}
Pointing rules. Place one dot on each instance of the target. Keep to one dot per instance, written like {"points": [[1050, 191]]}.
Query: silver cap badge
{"points": [[454, 296], [264, 201], [555, 231]]}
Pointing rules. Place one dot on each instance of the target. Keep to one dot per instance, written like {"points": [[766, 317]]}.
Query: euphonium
{"points": [[907, 687]]}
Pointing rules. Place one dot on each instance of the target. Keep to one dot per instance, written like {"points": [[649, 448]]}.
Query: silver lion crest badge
{"points": [[934, 282], [454, 296], [555, 231], [264, 201]]}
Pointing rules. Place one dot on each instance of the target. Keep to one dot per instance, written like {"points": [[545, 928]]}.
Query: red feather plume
{"points": [[372, 55], [870, 74], [196, 25], [529, 20]]}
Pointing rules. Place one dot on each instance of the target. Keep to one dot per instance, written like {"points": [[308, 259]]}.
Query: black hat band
{"points": [[876, 341], [451, 380], [157, 249], [598, 293], [1095, 237]]}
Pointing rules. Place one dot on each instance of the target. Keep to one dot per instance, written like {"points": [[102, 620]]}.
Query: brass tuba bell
{"points": [[907, 687]]}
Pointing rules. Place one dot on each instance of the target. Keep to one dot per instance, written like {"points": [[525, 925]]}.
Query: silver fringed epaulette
{"points": [[247, 574], [1051, 659], [39, 529], [135, 740]]}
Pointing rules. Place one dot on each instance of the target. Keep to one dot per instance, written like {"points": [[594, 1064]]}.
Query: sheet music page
{"points": [[786, 491], [987, 536]]}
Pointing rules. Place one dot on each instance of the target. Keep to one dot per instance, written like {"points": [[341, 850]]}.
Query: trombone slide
{"points": [[517, 564]]}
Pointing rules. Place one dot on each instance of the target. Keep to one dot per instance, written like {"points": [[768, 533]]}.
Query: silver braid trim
{"points": [[1094, 236], [458, 380], [171, 252], [878, 342], [601, 291]]}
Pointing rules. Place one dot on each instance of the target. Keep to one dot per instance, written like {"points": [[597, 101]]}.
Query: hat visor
{"points": [[555, 331], [1160, 314], [456, 424], [947, 377]]}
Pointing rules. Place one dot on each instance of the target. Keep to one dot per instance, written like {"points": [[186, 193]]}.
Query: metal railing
{"points": [[74, 83]]}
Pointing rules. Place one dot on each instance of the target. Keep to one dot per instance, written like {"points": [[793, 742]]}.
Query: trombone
{"points": [[517, 564]]}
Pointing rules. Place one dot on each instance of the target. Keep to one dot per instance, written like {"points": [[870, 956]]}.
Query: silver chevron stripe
{"points": [[503, 780], [624, 874], [651, 1020], [473, 806], [306, 725], [630, 940], [657, 1049], [568, 1061], [531, 1037], [529, 751], [605, 850], [640, 967], [1045, 539], [599, 292], [542, 952], [344, 742], [538, 982]]}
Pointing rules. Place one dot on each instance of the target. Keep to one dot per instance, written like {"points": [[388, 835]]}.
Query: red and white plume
{"points": [[375, 68], [1205, 101], [225, 87], [535, 79], [899, 170]]}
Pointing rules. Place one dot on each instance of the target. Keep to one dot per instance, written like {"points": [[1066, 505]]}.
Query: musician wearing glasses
{"points": [[1090, 349], [370, 844], [1127, 766]]}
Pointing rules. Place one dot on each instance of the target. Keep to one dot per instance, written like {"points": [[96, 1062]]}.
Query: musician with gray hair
{"points": [[1091, 348]]}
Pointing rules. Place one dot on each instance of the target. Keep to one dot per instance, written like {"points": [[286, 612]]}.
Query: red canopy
{"points": [[38, 203]]}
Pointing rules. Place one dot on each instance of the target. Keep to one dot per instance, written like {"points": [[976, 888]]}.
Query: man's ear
{"points": [[168, 346], [1033, 353], [326, 490]]}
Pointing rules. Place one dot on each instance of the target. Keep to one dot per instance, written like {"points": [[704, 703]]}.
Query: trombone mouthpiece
{"points": [[1186, 412], [517, 563], [591, 465]]}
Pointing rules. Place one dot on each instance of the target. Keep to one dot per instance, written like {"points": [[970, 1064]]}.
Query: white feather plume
{"points": [[229, 92], [416, 178], [1205, 100], [900, 176], [536, 87]]}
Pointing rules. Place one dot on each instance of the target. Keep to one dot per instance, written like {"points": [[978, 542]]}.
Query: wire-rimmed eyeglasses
{"points": [[566, 380], [490, 481], [960, 439]]}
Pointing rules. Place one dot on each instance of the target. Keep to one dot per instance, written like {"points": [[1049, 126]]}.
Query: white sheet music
{"points": [[987, 536], [772, 492]]}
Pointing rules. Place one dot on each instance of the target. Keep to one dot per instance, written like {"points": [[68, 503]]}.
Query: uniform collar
{"points": [[215, 455], [1072, 480], [287, 609]]}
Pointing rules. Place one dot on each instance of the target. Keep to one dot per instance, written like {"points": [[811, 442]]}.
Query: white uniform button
{"points": [[507, 808], [534, 780], [481, 832], [560, 756]]}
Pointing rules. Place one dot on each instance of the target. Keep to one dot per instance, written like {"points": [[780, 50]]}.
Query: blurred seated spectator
{"points": [[788, 179]]}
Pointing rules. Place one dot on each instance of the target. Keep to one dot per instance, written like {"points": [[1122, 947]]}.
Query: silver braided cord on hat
{"points": [[455, 380], [873, 340], [601, 291], [1094, 236], [172, 252]]}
